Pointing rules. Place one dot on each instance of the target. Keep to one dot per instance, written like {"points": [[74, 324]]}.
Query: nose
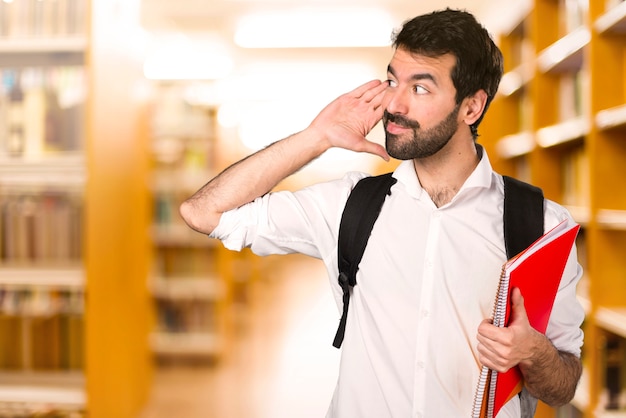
{"points": [[395, 102]]}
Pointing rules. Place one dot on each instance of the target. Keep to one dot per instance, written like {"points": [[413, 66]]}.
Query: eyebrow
{"points": [[414, 77]]}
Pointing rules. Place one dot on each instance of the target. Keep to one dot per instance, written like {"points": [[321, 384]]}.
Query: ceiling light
{"points": [[315, 28], [182, 58]]}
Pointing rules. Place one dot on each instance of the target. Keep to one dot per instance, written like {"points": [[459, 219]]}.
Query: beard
{"points": [[420, 144]]}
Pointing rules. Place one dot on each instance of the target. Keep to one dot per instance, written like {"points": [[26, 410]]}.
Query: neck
{"points": [[443, 174]]}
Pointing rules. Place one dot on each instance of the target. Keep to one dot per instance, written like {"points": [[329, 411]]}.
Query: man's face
{"points": [[421, 115]]}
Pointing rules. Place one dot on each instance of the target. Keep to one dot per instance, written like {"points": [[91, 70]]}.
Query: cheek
{"points": [[429, 113]]}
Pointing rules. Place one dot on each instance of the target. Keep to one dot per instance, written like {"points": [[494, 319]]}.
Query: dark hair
{"points": [[457, 32]]}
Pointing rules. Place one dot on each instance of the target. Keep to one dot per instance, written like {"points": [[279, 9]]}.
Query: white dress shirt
{"points": [[427, 279]]}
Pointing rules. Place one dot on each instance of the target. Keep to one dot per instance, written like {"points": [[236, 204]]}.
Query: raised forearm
{"points": [[344, 123], [250, 178], [549, 374]]}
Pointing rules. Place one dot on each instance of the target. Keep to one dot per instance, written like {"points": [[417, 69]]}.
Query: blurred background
{"points": [[112, 112]]}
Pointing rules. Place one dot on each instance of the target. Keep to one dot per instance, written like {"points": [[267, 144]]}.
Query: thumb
{"points": [[518, 310], [376, 149]]}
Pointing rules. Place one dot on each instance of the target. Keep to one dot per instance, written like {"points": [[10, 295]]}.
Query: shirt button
{"points": [[420, 364], [425, 313]]}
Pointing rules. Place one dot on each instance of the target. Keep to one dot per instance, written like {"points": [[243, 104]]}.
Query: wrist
{"points": [[540, 352], [315, 140]]}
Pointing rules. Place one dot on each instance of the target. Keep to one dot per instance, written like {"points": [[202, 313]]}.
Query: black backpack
{"points": [[523, 224]]}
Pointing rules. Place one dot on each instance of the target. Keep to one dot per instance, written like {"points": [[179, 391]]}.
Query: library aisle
{"points": [[281, 364]]}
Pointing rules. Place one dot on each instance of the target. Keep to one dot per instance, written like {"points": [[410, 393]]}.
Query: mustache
{"points": [[400, 120]]}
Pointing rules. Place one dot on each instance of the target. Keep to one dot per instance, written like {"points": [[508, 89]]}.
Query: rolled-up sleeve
{"points": [[568, 314], [286, 222]]}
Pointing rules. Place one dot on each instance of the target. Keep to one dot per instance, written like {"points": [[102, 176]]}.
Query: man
{"points": [[418, 323]]}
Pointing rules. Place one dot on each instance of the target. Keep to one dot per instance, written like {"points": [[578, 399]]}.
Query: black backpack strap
{"points": [[360, 213], [523, 225], [523, 215]]}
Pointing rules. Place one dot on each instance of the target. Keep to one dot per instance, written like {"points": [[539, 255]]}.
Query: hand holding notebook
{"points": [[537, 272]]}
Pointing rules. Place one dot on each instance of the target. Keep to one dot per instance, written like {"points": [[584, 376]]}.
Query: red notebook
{"points": [[537, 272]]}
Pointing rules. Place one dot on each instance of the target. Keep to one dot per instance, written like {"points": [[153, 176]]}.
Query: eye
{"points": [[419, 89], [392, 83]]}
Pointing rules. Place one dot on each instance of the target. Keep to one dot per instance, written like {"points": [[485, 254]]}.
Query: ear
{"points": [[474, 106]]}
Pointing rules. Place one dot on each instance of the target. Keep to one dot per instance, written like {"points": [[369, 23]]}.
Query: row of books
{"points": [[189, 316], [183, 134], [573, 96], [573, 14], [42, 18], [185, 261], [39, 302], [613, 396], [166, 208], [42, 343], [20, 410], [575, 177], [41, 110], [44, 227]]}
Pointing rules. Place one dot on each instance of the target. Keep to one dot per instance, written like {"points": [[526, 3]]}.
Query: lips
{"points": [[394, 128]]}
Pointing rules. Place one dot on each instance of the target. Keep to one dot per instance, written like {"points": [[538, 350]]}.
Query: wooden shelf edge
{"points": [[516, 145], [610, 414], [69, 43], [209, 289], [63, 170], [566, 53], [56, 389], [56, 278], [611, 219], [580, 214], [612, 319], [504, 17], [563, 132], [614, 20], [585, 303], [180, 236], [186, 179], [611, 118], [194, 344], [516, 79]]}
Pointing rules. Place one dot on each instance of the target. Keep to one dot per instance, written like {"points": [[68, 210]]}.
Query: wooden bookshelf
{"points": [[75, 253], [574, 149], [192, 275]]}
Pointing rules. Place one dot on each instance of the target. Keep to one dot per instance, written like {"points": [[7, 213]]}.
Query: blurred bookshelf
{"points": [[560, 124], [62, 331], [191, 277]]}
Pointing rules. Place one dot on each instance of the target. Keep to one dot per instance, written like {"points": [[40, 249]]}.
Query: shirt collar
{"points": [[481, 177]]}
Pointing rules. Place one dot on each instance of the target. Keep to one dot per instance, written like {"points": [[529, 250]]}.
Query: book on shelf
{"points": [[41, 329], [41, 110], [24, 19], [189, 316], [573, 14], [537, 272], [40, 227], [613, 396], [575, 177]]}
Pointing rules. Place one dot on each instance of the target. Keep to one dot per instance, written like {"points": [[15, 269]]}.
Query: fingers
{"points": [[364, 88], [370, 92], [346, 121]]}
